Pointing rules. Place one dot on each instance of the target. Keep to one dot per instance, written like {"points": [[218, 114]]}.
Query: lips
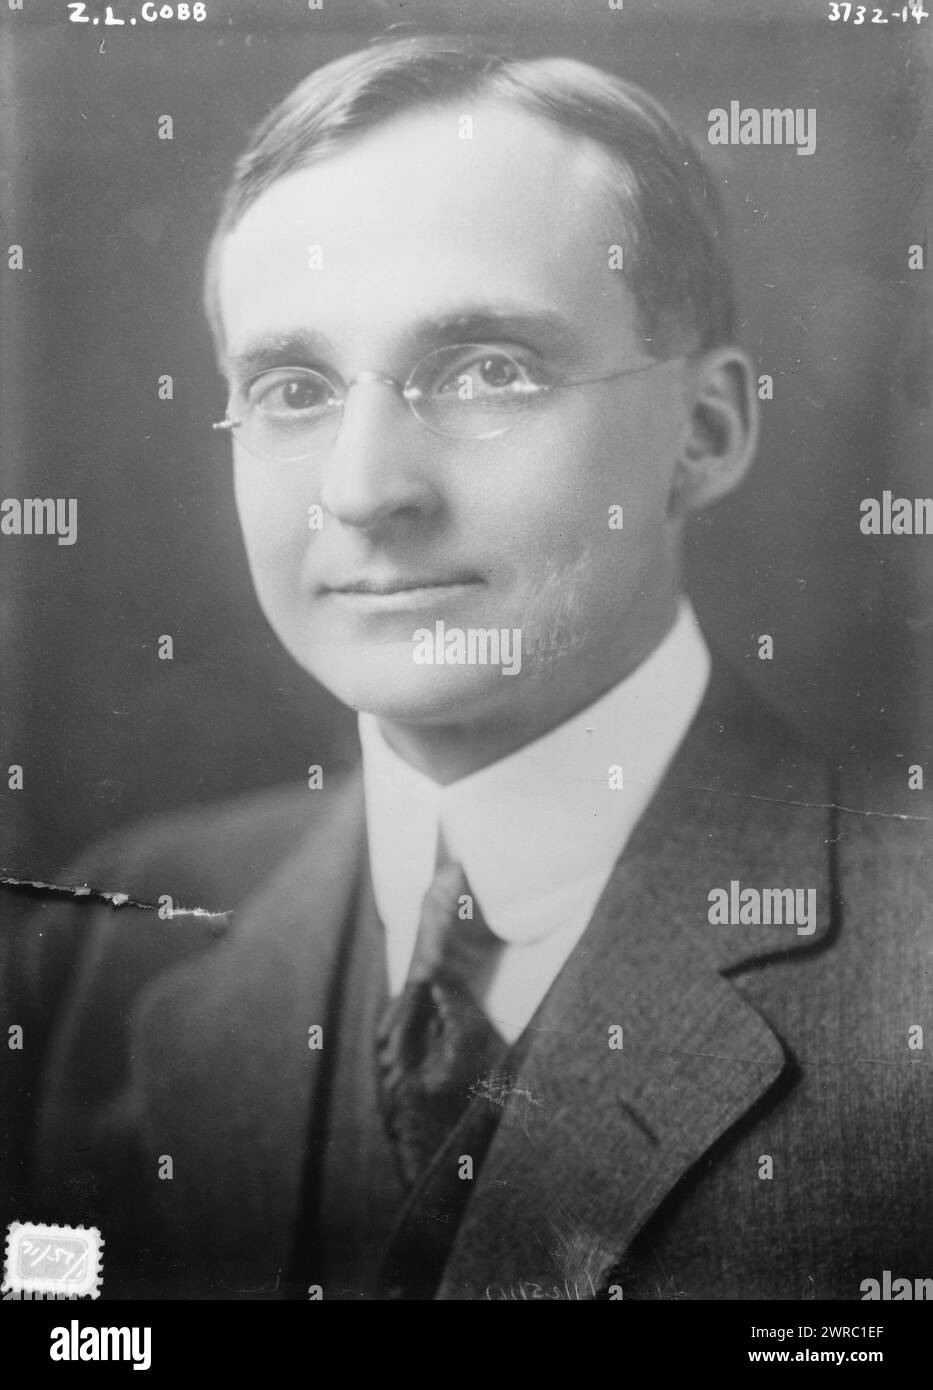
{"points": [[399, 584]]}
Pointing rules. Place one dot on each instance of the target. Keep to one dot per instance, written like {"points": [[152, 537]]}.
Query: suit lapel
{"points": [[593, 1138], [228, 1076]]}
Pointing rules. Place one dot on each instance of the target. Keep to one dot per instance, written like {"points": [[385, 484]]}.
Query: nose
{"points": [[382, 464]]}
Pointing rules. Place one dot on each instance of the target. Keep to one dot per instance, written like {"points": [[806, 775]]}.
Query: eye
{"points": [[498, 372], [291, 392], [482, 374]]}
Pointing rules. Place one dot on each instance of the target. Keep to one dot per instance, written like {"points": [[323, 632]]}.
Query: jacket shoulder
{"points": [[157, 892], [207, 856]]}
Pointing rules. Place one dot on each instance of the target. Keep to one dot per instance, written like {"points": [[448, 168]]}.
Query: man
{"points": [[586, 986]]}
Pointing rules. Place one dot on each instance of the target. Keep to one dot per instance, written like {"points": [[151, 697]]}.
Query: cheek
{"points": [[555, 519], [274, 522], [559, 488]]}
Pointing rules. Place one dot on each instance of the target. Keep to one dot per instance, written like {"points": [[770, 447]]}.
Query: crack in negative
{"points": [[811, 805], [114, 899]]}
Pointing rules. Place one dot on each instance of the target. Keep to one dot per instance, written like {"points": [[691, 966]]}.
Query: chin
{"points": [[387, 684]]}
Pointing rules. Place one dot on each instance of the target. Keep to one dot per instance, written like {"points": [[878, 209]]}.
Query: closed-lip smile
{"points": [[401, 584]]}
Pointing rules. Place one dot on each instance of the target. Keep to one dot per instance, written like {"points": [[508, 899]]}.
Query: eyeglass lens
{"points": [[464, 391]]}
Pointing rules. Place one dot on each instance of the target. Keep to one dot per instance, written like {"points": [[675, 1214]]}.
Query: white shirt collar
{"points": [[538, 832]]}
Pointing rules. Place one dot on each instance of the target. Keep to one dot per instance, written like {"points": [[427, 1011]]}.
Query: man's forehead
{"points": [[413, 220]]}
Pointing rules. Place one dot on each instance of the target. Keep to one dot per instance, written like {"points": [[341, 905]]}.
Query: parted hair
{"points": [[665, 211]]}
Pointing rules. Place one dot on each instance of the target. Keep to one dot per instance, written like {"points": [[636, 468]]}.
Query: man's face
{"points": [[427, 239]]}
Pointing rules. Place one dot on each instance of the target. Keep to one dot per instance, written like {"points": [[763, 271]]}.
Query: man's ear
{"points": [[721, 433]]}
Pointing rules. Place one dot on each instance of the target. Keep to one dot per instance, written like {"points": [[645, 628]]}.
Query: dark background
{"points": [[114, 224]]}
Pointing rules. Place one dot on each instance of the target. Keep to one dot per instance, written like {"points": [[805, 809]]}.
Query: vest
{"points": [[357, 1188]]}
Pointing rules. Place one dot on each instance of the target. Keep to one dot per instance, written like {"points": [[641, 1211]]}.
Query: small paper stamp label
{"points": [[57, 1260]]}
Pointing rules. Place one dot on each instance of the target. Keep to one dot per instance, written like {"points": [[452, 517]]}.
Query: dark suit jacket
{"points": [[643, 1169]]}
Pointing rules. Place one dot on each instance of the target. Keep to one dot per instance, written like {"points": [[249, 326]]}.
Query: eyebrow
{"points": [[543, 329], [286, 349], [477, 323]]}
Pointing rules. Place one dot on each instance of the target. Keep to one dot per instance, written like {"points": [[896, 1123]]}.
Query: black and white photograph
{"points": [[467, 625]]}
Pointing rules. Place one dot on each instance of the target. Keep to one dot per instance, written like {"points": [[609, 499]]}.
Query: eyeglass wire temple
{"points": [[413, 393]]}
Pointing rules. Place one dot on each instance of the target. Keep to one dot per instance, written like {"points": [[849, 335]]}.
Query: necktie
{"points": [[434, 1043]]}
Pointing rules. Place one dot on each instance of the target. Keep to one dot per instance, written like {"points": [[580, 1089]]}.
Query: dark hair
{"points": [[671, 230]]}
